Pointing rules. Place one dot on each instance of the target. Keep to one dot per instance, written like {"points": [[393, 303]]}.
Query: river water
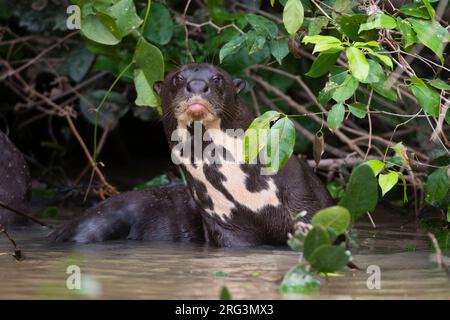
{"points": [[137, 270]]}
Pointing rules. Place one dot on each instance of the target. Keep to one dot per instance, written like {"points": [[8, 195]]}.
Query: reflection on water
{"points": [[128, 269]]}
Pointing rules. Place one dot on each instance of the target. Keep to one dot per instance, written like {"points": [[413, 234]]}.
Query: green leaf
{"points": [[293, 16], [326, 93], [376, 73], [262, 25], [375, 165], [336, 78], [329, 258], [338, 74], [101, 49], [322, 64], [385, 59], [432, 35], [343, 7], [361, 194], [218, 12], [319, 39], [145, 94], [299, 280], [336, 116], [161, 180], [272, 2], [387, 181], [380, 21], [279, 49], [358, 109], [221, 274], [335, 189], [225, 294], [315, 25], [358, 65], [255, 42], [350, 25], [415, 9], [328, 47], [437, 187], [123, 12], [359, 44], [429, 99], [385, 89], [439, 84], [346, 89], [408, 35], [315, 238], [254, 134], [280, 143], [336, 218], [401, 151], [430, 9], [93, 28], [79, 63], [159, 26], [324, 43], [148, 58], [264, 120], [232, 47]]}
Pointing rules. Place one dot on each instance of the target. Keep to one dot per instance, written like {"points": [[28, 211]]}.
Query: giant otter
{"points": [[233, 203], [15, 182]]}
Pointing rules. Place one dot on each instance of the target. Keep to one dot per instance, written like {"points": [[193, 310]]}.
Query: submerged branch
{"points": [[17, 252]]}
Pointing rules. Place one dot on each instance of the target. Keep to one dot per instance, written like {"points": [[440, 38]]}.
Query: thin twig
{"points": [[25, 215], [371, 220], [186, 32], [110, 188], [40, 55], [369, 118]]}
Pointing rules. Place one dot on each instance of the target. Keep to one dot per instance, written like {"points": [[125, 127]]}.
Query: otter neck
{"points": [[238, 117]]}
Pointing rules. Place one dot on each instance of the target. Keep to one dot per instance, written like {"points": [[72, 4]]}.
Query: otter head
{"points": [[198, 92]]}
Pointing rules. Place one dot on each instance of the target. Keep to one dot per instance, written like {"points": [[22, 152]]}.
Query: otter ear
{"points": [[157, 86], [239, 85]]}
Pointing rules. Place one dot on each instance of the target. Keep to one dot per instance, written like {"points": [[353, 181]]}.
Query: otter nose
{"points": [[197, 86]]}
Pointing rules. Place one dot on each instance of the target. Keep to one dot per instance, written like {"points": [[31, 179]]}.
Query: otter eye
{"points": [[178, 79], [217, 80]]}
